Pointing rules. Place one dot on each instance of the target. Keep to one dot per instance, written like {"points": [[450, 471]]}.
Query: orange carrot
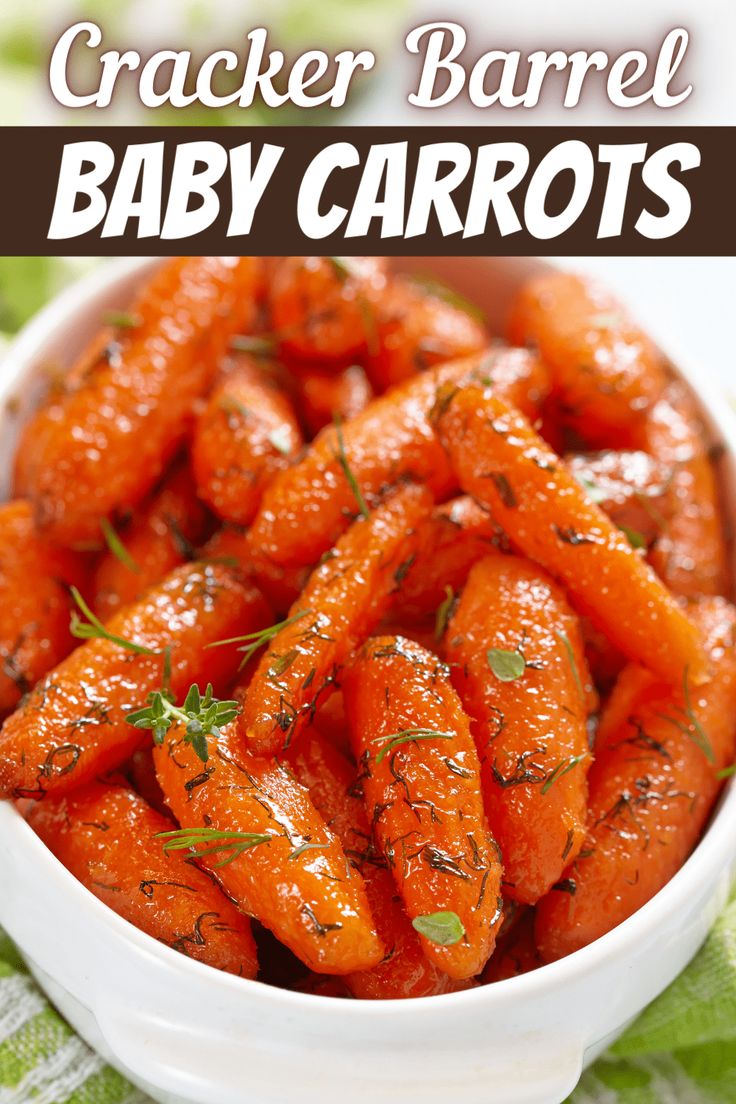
{"points": [[34, 603], [606, 373], [652, 787], [342, 602], [516, 656], [404, 971], [98, 449], [515, 953], [418, 327], [322, 307], [162, 535], [244, 436], [234, 546], [323, 395], [105, 834], [421, 779], [282, 864], [633, 488], [72, 727], [690, 553], [507, 467], [307, 507]]}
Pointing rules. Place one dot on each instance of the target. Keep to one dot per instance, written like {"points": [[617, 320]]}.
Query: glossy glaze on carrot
{"points": [[505, 465], [106, 836], [342, 602], [652, 787], [422, 794], [297, 882], [529, 722], [96, 450], [72, 726]]}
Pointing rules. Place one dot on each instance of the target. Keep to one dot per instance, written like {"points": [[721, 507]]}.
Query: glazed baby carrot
{"points": [[307, 507], [633, 488], [97, 450], [34, 603], [243, 437], [162, 535], [456, 535], [234, 546], [421, 780], [515, 953], [652, 787], [506, 466], [324, 396], [141, 773], [72, 726], [105, 834], [690, 553], [404, 970], [419, 325], [342, 602], [258, 832], [516, 657], [605, 371], [322, 307]]}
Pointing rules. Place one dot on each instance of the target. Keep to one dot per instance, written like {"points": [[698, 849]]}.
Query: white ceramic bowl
{"points": [[192, 1035]]}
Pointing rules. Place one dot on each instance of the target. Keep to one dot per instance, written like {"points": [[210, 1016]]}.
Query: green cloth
{"points": [[681, 1050]]}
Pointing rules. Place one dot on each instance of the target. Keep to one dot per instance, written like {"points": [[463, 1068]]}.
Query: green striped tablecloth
{"points": [[682, 1050]]}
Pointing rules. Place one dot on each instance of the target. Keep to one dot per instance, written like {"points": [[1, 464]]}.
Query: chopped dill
{"points": [[343, 462], [407, 736], [255, 640]]}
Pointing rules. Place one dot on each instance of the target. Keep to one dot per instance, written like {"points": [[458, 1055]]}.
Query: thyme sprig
{"points": [[202, 716], [343, 462], [444, 928], [93, 629], [407, 736], [116, 546], [255, 640], [211, 842]]}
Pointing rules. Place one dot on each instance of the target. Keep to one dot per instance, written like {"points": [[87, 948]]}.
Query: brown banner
{"points": [[628, 208]]}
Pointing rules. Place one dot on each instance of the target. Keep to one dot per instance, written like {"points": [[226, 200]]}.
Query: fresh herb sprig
{"points": [[688, 724], [561, 769], [211, 842], [407, 736], [444, 928], [342, 460], [255, 640], [202, 716], [444, 610], [93, 629], [564, 639], [506, 665], [116, 546]]}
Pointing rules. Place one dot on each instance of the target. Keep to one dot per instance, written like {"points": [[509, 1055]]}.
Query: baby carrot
{"points": [[34, 603], [421, 779], [417, 327], [323, 395], [105, 834], [72, 726], [652, 787], [516, 953], [306, 508], [234, 546], [322, 307], [404, 971], [633, 488], [690, 552], [97, 450], [162, 535], [342, 602], [243, 437], [508, 468], [516, 657], [256, 829], [606, 373]]}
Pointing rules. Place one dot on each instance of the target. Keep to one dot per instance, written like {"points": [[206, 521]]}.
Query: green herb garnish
{"points": [[307, 847], [727, 772], [186, 839], [440, 290], [201, 716], [444, 928], [255, 640], [255, 344], [564, 639], [116, 546], [93, 629], [507, 666], [407, 736], [443, 613], [693, 728], [562, 768], [634, 537], [343, 462]]}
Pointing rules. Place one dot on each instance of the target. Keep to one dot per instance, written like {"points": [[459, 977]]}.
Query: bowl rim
{"points": [[712, 854]]}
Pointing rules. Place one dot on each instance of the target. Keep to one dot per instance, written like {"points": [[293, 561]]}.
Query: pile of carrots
{"points": [[347, 645]]}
